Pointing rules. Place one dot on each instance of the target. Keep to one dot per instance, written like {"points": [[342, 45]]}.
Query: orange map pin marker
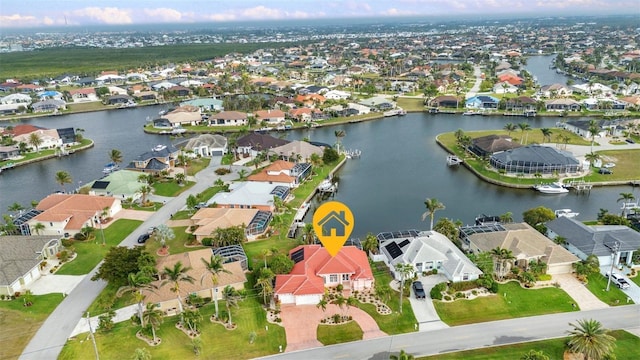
{"points": [[333, 223]]}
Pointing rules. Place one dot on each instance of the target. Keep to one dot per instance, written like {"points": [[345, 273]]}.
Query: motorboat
{"points": [[110, 167], [553, 188], [159, 147], [565, 213], [453, 160]]}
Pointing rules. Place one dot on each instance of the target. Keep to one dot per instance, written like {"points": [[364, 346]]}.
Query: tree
{"points": [[524, 127], [242, 173], [506, 217], [63, 177], [625, 198], [136, 284], [233, 235], [590, 339], [281, 264], [265, 284], [38, 227], [404, 271], [231, 298], [322, 304], [153, 317], [546, 134], [141, 354], [192, 319], [432, 206], [370, 244], [534, 355], [192, 202], [330, 155], [309, 234], [510, 127], [594, 129], [119, 262], [35, 141], [164, 233], [180, 178], [215, 267], [449, 229], [174, 276], [503, 259], [592, 157], [402, 356], [144, 191], [15, 208], [115, 156], [536, 217]]}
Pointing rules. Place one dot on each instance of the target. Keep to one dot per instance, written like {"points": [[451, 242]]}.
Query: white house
{"points": [[20, 259]]}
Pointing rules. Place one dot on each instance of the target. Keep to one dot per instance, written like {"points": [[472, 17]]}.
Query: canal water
{"points": [[401, 165]]}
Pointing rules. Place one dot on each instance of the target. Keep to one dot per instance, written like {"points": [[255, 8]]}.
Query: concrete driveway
{"points": [[425, 312], [49, 284], [633, 292], [578, 292]]}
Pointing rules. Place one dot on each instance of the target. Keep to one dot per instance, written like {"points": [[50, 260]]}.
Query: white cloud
{"points": [[16, 20], [397, 12], [107, 15], [164, 15]]}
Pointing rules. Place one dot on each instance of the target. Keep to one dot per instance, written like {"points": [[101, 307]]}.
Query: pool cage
{"points": [[232, 253]]}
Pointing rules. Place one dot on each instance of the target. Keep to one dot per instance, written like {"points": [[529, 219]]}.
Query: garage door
{"points": [[216, 153]]}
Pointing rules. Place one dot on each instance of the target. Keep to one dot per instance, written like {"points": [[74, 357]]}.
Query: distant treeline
{"points": [[49, 63]]}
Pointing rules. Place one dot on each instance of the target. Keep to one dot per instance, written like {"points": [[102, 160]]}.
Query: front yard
{"points": [[597, 284], [511, 301]]}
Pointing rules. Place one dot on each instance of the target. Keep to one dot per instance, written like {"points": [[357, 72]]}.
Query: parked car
{"points": [[605, 171], [620, 281], [630, 141], [609, 165], [418, 289], [143, 238], [201, 205]]}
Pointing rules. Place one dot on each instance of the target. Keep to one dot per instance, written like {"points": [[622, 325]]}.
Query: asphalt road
{"points": [[471, 336], [54, 332]]}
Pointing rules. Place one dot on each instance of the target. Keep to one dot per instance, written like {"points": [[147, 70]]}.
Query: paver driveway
{"points": [[301, 322]]}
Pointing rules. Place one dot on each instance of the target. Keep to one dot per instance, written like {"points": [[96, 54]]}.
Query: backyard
{"points": [[511, 301]]}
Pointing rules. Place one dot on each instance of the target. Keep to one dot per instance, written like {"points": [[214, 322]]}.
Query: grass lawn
{"points": [[176, 246], [171, 188], [18, 323], [598, 284], [626, 165], [635, 279], [136, 206], [197, 164], [90, 253], [411, 104], [208, 193], [107, 300], [518, 302], [626, 348], [336, 334], [217, 342], [394, 323]]}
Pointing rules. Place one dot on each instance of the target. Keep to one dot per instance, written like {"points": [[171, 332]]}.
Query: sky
{"points": [[43, 13]]}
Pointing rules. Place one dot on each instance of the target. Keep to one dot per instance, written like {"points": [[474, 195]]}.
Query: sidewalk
{"points": [[123, 314]]}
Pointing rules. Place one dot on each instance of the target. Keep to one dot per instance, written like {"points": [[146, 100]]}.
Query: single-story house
{"points": [[20, 259], [283, 172], [485, 146], [526, 244], [119, 99], [251, 195], [521, 103], [167, 301], [49, 138], [177, 118], [208, 220], [562, 105], [205, 104], [8, 152], [275, 116], [446, 101], [482, 102], [206, 145], [553, 90], [122, 184], [315, 269], [148, 95], [533, 159], [49, 105], [253, 143], [66, 214], [599, 240], [228, 118], [377, 103], [293, 149], [425, 251], [84, 95], [158, 159]]}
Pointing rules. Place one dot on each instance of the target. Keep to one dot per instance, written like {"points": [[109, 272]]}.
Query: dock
{"points": [[453, 160], [580, 186]]}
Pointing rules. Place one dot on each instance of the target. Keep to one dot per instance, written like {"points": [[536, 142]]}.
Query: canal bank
{"points": [[56, 154]]}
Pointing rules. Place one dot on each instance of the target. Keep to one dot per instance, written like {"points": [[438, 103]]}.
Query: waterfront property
{"points": [[425, 251], [282, 171], [533, 159], [208, 220], [297, 150], [599, 240], [21, 258], [166, 299], [525, 243], [482, 102], [122, 184], [252, 144], [205, 145], [251, 195], [160, 158], [315, 269], [485, 146]]}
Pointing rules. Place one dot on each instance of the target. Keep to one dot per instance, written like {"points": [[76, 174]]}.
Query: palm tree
{"points": [[231, 298], [141, 354], [502, 257], [432, 206], [339, 134], [15, 208], [144, 191], [309, 234], [192, 319], [174, 276], [404, 271], [266, 287], [402, 356], [592, 157], [322, 304], [63, 177], [153, 317], [35, 141], [625, 198], [524, 127], [534, 355], [594, 129], [115, 156], [38, 227], [136, 284], [370, 244], [506, 217], [590, 339], [180, 178], [215, 267], [510, 127], [546, 134]]}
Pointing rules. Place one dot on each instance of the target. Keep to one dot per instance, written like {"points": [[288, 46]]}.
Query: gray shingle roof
{"points": [[19, 254], [536, 154], [596, 240]]}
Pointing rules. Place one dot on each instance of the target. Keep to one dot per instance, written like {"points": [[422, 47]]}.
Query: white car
{"points": [[609, 165], [620, 281]]}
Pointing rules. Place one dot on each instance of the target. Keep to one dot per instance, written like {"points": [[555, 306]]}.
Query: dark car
{"points": [[630, 141], [418, 289], [143, 238], [605, 171]]}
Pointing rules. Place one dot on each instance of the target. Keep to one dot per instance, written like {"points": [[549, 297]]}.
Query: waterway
{"points": [[401, 165]]}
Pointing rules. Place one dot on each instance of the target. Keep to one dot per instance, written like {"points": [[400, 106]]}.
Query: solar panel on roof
{"points": [[404, 243], [100, 184], [393, 249], [298, 255]]}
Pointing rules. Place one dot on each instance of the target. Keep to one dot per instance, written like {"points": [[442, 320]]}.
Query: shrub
{"points": [[474, 292], [63, 256], [494, 287], [340, 287], [67, 242], [337, 318], [79, 237], [17, 294], [459, 295], [447, 298], [434, 271], [222, 171], [436, 291], [207, 242], [463, 285], [544, 277], [2, 297]]}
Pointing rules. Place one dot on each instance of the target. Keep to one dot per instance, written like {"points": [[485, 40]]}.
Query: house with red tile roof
{"points": [[282, 171], [315, 269], [275, 116], [68, 213], [84, 95]]}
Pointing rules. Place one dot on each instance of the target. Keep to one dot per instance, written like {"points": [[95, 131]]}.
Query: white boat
{"points": [[630, 206], [159, 147], [453, 160], [553, 188], [566, 213], [110, 167], [395, 112]]}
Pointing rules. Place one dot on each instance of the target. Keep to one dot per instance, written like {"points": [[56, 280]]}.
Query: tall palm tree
{"points": [[546, 134], [592, 157], [35, 141], [115, 156], [309, 234], [144, 191], [594, 129], [153, 317], [524, 127], [625, 198], [432, 206], [38, 227], [231, 298], [402, 356], [404, 271], [339, 134], [590, 339], [510, 127], [265, 284], [174, 276], [370, 244], [63, 177], [137, 283], [215, 267]]}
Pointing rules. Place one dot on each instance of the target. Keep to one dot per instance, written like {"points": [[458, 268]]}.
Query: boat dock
{"points": [[580, 186], [453, 160], [352, 154]]}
